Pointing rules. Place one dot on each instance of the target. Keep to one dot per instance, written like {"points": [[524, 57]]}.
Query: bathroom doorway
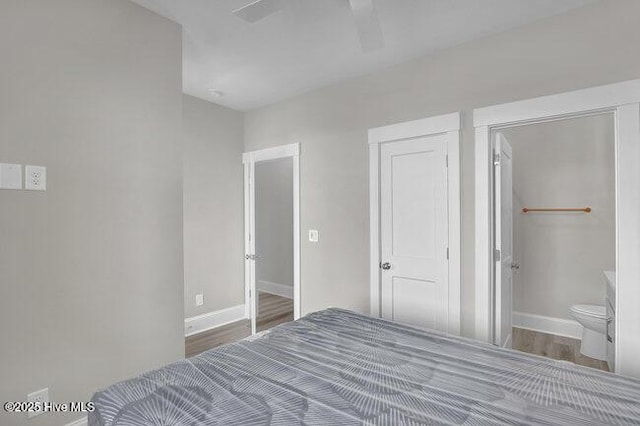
{"points": [[554, 236], [622, 101]]}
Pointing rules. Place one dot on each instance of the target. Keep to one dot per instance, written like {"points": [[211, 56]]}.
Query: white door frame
{"points": [[249, 159], [621, 99], [448, 124]]}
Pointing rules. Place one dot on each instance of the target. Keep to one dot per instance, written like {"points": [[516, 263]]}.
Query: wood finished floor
{"points": [[551, 346], [272, 310]]}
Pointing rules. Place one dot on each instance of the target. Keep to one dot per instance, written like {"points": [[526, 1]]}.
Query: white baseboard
{"points": [[204, 322], [80, 422], [549, 325], [277, 289]]}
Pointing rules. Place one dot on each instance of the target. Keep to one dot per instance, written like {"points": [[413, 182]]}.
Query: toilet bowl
{"points": [[593, 319]]}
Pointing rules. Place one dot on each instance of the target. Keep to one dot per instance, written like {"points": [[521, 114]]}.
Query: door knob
{"points": [[515, 265], [386, 266]]}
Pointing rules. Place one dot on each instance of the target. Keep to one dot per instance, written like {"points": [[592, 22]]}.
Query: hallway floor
{"points": [[272, 310]]}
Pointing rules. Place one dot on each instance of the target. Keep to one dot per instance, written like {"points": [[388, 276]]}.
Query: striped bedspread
{"points": [[336, 367]]}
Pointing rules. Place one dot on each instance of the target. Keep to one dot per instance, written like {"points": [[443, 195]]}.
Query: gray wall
{"points": [[568, 163], [274, 221], [92, 279], [567, 52], [213, 206]]}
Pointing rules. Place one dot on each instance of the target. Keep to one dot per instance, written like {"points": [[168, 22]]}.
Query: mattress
{"points": [[336, 367]]}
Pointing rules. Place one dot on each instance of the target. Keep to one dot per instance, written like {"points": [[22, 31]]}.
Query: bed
{"points": [[336, 367]]}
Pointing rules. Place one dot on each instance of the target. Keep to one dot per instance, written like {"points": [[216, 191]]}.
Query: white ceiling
{"points": [[314, 43]]}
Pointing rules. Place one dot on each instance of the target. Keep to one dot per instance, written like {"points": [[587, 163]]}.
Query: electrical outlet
{"points": [[39, 397], [35, 178], [199, 299]]}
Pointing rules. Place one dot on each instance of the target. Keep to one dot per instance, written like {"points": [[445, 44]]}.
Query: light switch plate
{"points": [[10, 176], [199, 299], [35, 178], [313, 235]]}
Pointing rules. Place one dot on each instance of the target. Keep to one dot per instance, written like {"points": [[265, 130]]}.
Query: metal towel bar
{"points": [[583, 209]]}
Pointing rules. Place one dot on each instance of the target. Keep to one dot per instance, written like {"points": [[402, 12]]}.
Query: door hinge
{"points": [[496, 159], [447, 253], [496, 255], [446, 160]]}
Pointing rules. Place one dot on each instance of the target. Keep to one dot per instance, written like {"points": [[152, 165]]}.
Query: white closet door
{"points": [[503, 197], [414, 232]]}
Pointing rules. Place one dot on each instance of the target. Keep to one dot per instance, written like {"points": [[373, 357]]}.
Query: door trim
{"points": [[621, 99], [448, 124], [249, 159]]}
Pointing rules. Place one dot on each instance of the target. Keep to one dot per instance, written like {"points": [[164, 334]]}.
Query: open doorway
{"points": [[622, 102], [274, 242], [554, 236], [272, 255]]}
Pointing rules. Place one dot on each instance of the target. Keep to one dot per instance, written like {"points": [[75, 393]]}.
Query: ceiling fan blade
{"points": [[367, 24], [259, 9]]}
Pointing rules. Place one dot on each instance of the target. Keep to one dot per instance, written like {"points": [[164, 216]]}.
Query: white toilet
{"points": [[593, 319]]}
